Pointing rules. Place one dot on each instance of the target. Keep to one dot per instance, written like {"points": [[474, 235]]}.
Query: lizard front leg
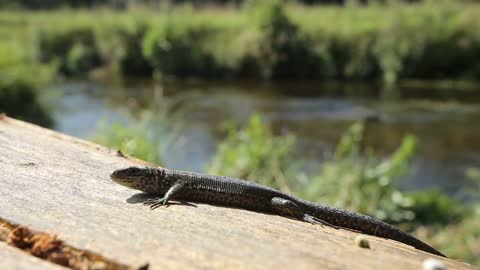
{"points": [[172, 191]]}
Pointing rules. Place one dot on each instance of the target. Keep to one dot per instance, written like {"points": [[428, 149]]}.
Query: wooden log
{"points": [[13, 258], [60, 185]]}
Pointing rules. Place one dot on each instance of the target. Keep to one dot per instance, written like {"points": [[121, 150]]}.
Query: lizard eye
{"points": [[136, 170], [133, 171], [129, 173]]}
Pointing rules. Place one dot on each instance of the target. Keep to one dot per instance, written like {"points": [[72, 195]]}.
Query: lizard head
{"points": [[132, 177]]}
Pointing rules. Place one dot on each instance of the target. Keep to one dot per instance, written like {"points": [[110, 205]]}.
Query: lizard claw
{"points": [[155, 205], [314, 220], [155, 202], [151, 201]]}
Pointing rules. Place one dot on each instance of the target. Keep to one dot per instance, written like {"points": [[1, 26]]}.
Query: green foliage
{"points": [[20, 82], [264, 40], [137, 141], [283, 52], [354, 180], [147, 138], [391, 43], [19, 98], [436, 208], [368, 185], [361, 176], [50, 4], [445, 32], [74, 47], [391, 49], [133, 61], [459, 241], [473, 174], [348, 60], [174, 48], [18, 62], [429, 49], [46, 4], [254, 153]]}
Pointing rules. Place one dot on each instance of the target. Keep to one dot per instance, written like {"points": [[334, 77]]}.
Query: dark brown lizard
{"points": [[233, 192]]}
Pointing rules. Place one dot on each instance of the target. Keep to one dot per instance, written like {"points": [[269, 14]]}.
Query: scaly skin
{"points": [[233, 192]]}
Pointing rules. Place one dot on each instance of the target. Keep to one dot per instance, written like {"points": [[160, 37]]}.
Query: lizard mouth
{"points": [[131, 177], [114, 177], [115, 174], [117, 178]]}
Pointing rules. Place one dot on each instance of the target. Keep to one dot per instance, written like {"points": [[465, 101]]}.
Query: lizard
{"points": [[233, 192]]}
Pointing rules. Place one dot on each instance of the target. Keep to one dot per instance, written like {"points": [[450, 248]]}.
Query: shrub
{"points": [[175, 48], [20, 80], [134, 141], [361, 182], [284, 53], [132, 60], [74, 48], [267, 39], [19, 99], [147, 138], [436, 208], [254, 153], [460, 241]]}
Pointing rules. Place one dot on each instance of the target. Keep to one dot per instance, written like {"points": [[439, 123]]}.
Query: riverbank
{"points": [[386, 44]]}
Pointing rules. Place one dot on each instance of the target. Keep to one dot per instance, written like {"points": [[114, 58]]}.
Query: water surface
{"points": [[447, 126]]}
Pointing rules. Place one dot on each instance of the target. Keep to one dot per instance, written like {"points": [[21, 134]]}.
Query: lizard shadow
{"points": [[143, 197]]}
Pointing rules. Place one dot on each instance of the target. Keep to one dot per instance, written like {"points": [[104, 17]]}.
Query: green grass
{"points": [[269, 41], [14, 91], [460, 240], [20, 82], [130, 141], [146, 139], [254, 153]]}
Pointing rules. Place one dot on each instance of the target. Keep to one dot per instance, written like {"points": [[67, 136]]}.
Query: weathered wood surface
{"points": [[59, 184], [12, 259]]}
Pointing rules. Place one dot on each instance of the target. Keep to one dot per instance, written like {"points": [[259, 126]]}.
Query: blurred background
{"points": [[368, 105]]}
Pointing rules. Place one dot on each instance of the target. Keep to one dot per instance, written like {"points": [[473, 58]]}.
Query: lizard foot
{"points": [[155, 202], [314, 220]]}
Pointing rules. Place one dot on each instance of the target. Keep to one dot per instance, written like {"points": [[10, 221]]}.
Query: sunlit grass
{"points": [[374, 42]]}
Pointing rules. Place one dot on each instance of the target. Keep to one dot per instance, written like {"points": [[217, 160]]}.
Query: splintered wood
{"points": [[48, 247], [58, 189]]}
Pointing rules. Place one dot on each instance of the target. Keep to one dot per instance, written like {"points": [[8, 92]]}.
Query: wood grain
{"points": [[14, 259], [59, 184]]}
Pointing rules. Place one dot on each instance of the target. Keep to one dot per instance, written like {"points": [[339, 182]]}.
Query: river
{"points": [[447, 126]]}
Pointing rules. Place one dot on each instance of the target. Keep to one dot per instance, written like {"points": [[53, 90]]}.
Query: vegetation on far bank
{"points": [[21, 79], [123, 4], [351, 179], [266, 41]]}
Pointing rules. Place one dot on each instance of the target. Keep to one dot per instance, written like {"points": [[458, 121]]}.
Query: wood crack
{"points": [[48, 247]]}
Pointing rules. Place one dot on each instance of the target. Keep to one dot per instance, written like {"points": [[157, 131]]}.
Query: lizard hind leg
{"points": [[288, 208], [314, 220]]}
